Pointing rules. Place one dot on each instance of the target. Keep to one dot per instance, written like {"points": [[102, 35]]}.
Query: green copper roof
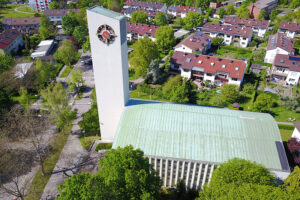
{"points": [[201, 133], [106, 12]]}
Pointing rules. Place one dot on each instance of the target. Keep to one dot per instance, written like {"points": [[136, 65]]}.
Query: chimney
{"points": [[231, 61], [219, 59], [207, 57]]}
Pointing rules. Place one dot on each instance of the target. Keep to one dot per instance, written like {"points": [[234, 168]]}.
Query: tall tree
{"points": [[230, 93], [262, 15], [161, 19], [139, 17], [263, 103], [46, 28], [273, 14], [6, 62], [53, 5], [165, 38], [76, 81], [155, 71], [243, 12], [69, 22], [66, 53], [221, 12], [230, 10], [80, 33], [90, 121], [193, 20], [46, 73], [145, 50], [292, 183]]}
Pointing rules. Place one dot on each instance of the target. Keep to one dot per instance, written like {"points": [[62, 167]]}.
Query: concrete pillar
{"points": [[199, 176], [160, 168], [182, 170], [150, 160], [171, 174], [155, 164], [166, 172], [211, 172], [177, 171], [188, 175], [193, 176], [204, 177]]}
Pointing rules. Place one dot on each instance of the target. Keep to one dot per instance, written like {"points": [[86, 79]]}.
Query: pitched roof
{"points": [[59, 12], [129, 11], [7, 37], [141, 29], [297, 125], [281, 41], [22, 21], [295, 27], [227, 29], [144, 4], [236, 21], [195, 41], [190, 132], [291, 62], [210, 64], [183, 9]]}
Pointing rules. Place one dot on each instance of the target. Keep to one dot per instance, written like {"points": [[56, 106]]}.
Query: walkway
{"points": [[16, 9]]}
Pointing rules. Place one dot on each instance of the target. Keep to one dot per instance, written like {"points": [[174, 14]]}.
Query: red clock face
{"points": [[106, 34]]}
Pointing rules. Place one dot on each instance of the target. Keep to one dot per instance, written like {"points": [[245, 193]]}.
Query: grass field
{"points": [[285, 134], [233, 52], [9, 11], [86, 142]]}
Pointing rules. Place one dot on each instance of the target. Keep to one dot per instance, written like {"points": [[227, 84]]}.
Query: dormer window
{"points": [[212, 64], [223, 66], [200, 61], [236, 68], [281, 61]]}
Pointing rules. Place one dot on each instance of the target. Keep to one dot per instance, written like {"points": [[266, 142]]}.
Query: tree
{"points": [[243, 12], [69, 22], [259, 54], [165, 38], [145, 50], [76, 81], [56, 101], [66, 53], [263, 103], [216, 42], [230, 10], [294, 4], [139, 17], [86, 46], [292, 183], [230, 93], [209, 12], [24, 98], [46, 73], [193, 20], [262, 15], [80, 33], [53, 5], [248, 89], [90, 121], [273, 14], [46, 28], [123, 174], [155, 71], [221, 12], [6, 62], [160, 19]]}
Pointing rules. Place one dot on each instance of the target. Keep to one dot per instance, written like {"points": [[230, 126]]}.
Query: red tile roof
{"points": [[183, 9], [210, 64], [291, 62], [195, 41], [22, 21], [144, 4], [7, 37], [227, 29], [295, 27], [59, 12], [129, 11], [141, 29], [281, 41], [236, 21]]}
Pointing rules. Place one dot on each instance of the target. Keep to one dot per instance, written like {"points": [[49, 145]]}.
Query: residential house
{"points": [[43, 49], [259, 27], [215, 5], [196, 42], [267, 5], [154, 6], [289, 28], [181, 11], [217, 71], [10, 41], [39, 5], [235, 34], [286, 69], [278, 44], [55, 16], [136, 31], [24, 24]]}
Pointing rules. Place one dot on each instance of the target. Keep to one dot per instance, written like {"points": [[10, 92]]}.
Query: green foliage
{"points": [[6, 62], [216, 41], [66, 72], [262, 15], [139, 17], [66, 53], [230, 10], [286, 127], [53, 5], [46, 28], [86, 46], [69, 22], [165, 38], [24, 98], [259, 54], [229, 93], [221, 12], [248, 89], [76, 81], [243, 12], [46, 73], [209, 12], [294, 4], [292, 183], [160, 19], [155, 71], [193, 20], [145, 50], [273, 14], [80, 33], [90, 121], [263, 103], [102, 146]]}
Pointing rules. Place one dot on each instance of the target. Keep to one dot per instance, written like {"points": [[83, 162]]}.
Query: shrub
{"points": [[101, 146]]}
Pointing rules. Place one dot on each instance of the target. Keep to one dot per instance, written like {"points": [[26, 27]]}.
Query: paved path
{"points": [[286, 123], [73, 153], [16, 10]]}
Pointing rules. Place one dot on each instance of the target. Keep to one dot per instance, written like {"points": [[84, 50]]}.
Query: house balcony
{"points": [[278, 73], [217, 78]]}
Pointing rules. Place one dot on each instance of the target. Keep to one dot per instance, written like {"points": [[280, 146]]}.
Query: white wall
{"points": [[270, 55], [185, 74], [110, 71], [293, 78], [237, 82], [184, 48]]}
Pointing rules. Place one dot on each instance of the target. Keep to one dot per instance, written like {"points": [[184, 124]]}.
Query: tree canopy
{"points": [[66, 53], [145, 50], [221, 12], [69, 22], [160, 19], [263, 103], [229, 93], [262, 15], [230, 10], [165, 38], [193, 20], [139, 17], [80, 33], [243, 12], [6, 62]]}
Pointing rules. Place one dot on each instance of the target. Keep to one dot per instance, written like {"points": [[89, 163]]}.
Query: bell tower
{"points": [[107, 31]]}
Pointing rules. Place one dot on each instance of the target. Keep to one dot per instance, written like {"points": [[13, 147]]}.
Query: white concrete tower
{"points": [[107, 31]]}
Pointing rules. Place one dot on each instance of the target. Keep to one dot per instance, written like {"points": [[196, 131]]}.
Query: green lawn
{"points": [[234, 52], [66, 72], [285, 134], [26, 9], [39, 182], [9, 11], [282, 114], [86, 142], [142, 95]]}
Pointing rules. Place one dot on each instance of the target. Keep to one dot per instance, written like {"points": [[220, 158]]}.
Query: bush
{"points": [[101, 146], [286, 127]]}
